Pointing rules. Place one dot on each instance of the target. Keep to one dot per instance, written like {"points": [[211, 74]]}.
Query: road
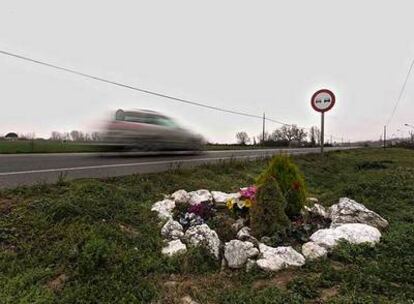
{"points": [[30, 169]]}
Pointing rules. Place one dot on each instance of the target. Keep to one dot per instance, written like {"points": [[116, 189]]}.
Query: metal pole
{"points": [[263, 134], [385, 136], [322, 130]]}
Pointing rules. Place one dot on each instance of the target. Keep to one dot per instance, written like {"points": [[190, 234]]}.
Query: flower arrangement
{"points": [[196, 214], [243, 202]]}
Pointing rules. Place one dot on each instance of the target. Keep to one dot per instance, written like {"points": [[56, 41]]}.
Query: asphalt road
{"points": [[30, 169]]}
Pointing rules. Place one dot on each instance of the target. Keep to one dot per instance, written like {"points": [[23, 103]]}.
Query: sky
{"points": [[248, 56]]}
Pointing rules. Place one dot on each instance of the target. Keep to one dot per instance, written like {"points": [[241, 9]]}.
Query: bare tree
{"points": [[314, 135], [259, 138], [56, 136], [76, 135], [95, 136], [29, 135], [242, 138], [289, 134]]}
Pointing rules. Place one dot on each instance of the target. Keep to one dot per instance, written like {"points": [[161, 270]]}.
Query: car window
{"points": [[134, 117], [167, 122]]}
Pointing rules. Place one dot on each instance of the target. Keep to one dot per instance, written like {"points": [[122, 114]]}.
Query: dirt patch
{"points": [[328, 293], [280, 280], [337, 265], [128, 230], [177, 287], [57, 283], [6, 206]]}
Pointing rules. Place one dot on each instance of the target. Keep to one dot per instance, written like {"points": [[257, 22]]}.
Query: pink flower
{"points": [[248, 192]]}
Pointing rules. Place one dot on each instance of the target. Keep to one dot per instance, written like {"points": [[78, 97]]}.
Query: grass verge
{"points": [[96, 241]]}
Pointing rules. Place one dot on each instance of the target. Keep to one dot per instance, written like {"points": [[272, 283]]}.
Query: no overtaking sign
{"points": [[322, 101]]}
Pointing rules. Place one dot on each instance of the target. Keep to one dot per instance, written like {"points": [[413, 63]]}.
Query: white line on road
{"points": [[128, 165]]}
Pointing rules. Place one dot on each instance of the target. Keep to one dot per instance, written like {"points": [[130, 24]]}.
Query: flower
{"points": [[240, 204], [248, 192], [248, 203], [230, 203]]}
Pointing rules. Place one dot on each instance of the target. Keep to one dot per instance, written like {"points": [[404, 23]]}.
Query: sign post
{"points": [[322, 101]]}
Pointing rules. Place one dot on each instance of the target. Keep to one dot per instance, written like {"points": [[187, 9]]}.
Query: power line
{"points": [[119, 84], [116, 83], [401, 93]]}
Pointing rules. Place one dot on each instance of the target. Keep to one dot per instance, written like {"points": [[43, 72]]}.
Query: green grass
{"points": [[46, 146], [43, 146], [96, 241]]}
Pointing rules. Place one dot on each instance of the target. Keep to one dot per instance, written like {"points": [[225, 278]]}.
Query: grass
{"points": [[96, 241], [44, 146]]}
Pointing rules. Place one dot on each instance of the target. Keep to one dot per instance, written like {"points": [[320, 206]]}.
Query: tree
{"points": [[289, 134], [267, 215], [290, 181], [77, 135], [57, 136], [314, 136], [242, 138]]}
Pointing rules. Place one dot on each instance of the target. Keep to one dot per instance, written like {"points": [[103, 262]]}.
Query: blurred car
{"points": [[145, 130]]}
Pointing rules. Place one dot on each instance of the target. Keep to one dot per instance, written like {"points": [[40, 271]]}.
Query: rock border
{"points": [[350, 221]]}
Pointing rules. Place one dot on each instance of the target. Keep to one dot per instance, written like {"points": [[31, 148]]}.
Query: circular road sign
{"points": [[323, 100]]}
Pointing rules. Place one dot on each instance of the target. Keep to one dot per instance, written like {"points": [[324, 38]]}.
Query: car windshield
{"points": [[165, 121]]}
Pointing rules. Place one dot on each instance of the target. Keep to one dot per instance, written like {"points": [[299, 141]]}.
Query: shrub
{"points": [[267, 215], [290, 181]]}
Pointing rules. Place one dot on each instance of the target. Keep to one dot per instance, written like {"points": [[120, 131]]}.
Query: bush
{"points": [[290, 181], [267, 214]]}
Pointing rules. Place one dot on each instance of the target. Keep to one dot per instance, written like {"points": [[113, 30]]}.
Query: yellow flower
{"points": [[230, 203], [248, 203]]}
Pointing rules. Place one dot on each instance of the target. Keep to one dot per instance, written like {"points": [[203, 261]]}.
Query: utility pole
{"points": [[385, 136], [264, 128]]}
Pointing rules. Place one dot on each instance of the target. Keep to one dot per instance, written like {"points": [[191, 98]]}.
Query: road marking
{"points": [[128, 165]]}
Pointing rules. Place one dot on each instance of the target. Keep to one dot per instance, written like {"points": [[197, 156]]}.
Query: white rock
{"points": [[349, 211], [312, 200], [199, 196], [237, 252], [222, 197], [202, 235], [243, 233], [274, 259], [273, 264], [353, 233], [172, 230], [312, 251], [238, 224], [174, 247], [180, 196], [360, 233], [318, 210], [327, 238], [164, 208]]}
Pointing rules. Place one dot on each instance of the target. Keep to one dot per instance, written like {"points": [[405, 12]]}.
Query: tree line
{"points": [[285, 136], [75, 135]]}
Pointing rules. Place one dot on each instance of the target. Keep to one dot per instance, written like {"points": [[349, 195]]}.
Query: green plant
{"points": [[290, 181], [267, 215]]}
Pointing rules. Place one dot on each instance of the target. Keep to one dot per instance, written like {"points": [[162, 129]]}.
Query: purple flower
{"points": [[204, 210], [248, 192]]}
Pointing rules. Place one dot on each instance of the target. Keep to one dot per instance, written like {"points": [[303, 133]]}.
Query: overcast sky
{"points": [[250, 56]]}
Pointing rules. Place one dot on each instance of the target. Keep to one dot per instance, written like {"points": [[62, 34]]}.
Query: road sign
{"points": [[323, 100]]}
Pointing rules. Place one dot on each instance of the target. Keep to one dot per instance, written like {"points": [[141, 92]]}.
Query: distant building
{"points": [[11, 136]]}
